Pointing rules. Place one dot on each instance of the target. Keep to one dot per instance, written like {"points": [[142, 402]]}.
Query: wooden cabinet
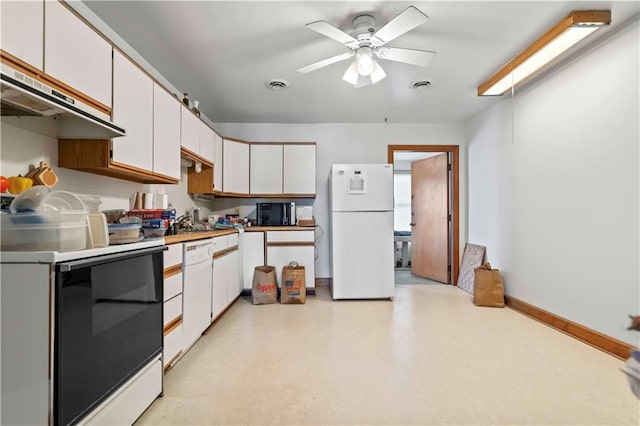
{"points": [[218, 165], [252, 256], [150, 153], [132, 109], [258, 169], [209, 179], [197, 138], [235, 157], [287, 246], [190, 131], [75, 54], [166, 133], [234, 284], [172, 309], [207, 142], [299, 169], [226, 273], [266, 169], [226, 282], [219, 293], [22, 30]]}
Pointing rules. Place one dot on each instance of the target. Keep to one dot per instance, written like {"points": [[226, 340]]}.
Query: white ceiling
{"points": [[222, 53]]}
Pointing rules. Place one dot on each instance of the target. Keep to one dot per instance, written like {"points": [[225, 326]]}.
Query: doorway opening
{"points": [[427, 197]]}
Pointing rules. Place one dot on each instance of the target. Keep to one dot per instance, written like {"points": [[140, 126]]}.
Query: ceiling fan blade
{"points": [[325, 62], [407, 20], [330, 31], [421, 58]]}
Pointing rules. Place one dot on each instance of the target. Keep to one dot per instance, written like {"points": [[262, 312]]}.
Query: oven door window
{"points": [[108, 326]]}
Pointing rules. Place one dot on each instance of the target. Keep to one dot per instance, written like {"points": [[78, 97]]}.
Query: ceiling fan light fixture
{"points": [[364, 59], [366, 46], [351, 75], [377, 74]]}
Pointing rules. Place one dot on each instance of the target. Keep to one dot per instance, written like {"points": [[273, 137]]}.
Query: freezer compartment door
{"points": [[362, 187], [362, 254]]}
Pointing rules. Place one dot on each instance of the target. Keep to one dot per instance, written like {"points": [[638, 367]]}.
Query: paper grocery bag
{"points": [[294, 289], [487, 287], [265, 286]]}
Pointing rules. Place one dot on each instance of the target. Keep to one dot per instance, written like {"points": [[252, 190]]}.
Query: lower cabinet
{"points": [[219, 294], [226, 273], [292, 246], [252, 256], [172, 309]]}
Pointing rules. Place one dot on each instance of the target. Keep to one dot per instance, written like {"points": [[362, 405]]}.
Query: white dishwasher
{"points": [[196, 309]]}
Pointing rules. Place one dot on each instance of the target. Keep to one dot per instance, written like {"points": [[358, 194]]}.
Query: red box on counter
{"points": [[153, 214]]}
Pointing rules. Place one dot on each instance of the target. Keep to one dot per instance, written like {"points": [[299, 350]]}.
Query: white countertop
{"points": [[55, 257]]}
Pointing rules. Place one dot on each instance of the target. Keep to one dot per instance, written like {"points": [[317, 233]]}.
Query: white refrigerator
{"points": [[362, 231]]}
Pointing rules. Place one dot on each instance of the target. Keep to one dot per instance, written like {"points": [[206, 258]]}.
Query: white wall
{"points": [[554, 188], [352, 143]]}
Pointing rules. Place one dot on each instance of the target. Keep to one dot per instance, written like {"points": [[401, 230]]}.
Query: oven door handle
{"points": [[77, 264]]}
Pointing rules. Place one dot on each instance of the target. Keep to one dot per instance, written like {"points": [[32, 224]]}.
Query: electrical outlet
{"points": [[237, 211]]}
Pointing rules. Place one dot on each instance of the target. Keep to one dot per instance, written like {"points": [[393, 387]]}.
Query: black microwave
{"points": [[276, 214]]}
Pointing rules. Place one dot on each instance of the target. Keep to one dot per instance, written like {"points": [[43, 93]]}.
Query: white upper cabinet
{"points": [[75, 54], [132, 109], [299, 169], [207, 142], [217, 167], [266, 169], [235, 157], [166, 133], [190, 128], [22, 30]]}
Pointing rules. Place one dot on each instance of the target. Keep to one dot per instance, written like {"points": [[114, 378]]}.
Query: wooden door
{"points": [[430, 218]]}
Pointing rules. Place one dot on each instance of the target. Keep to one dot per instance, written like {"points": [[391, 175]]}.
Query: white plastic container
{"points": [[44, 231], [124, 233], [44, 220]]}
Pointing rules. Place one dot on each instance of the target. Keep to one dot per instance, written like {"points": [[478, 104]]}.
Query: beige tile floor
{"points": [[428, 357], [404, 276]]}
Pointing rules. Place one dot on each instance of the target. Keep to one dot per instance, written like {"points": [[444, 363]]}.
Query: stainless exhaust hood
{"points": [[24, 96]]}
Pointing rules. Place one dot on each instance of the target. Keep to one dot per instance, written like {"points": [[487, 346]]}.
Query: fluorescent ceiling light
{"points": [[568, 32]]}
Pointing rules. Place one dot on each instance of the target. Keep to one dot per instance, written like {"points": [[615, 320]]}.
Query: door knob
{"points": [[412, 224]]}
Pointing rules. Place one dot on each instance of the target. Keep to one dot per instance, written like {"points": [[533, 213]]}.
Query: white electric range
{"points": [[81, 334]]}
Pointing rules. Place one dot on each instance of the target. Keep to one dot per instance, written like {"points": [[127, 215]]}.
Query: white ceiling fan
{"points": [[368, 44]]}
